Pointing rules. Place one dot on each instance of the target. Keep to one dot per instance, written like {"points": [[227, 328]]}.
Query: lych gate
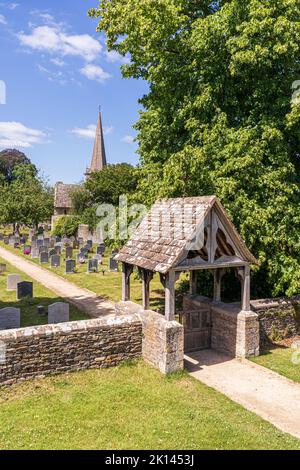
{"points": [[191, 234]]}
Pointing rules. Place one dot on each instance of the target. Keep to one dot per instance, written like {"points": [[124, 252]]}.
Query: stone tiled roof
{"points": [[163, 235], [62, 196]]}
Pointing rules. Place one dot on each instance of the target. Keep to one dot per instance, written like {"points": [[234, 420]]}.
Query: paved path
{"points": [[258, 389], [83, 299]]}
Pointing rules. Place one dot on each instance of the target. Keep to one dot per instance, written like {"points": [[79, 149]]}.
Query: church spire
{"points": [[99, 154]]}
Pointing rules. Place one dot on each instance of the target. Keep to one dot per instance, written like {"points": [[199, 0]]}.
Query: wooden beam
{"points": [[146, 277], [170, 296], [218, 274], [126, 272], [193, 282]]}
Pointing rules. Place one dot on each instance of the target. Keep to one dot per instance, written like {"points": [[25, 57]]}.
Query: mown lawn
{"points": [[42, 296], [108, 285], [281, 360], [129, 407]]}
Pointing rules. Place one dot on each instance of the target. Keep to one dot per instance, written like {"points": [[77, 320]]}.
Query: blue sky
{"points": [[57, 71]]}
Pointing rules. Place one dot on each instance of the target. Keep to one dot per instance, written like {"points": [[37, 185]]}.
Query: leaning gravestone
{"points": [[69, 252], [55, 261], [70, 266], [58, 313], [44, 258], [10, 318], [12, 281], [24, 289], [113, 265], [2, 268], [92, 266]]}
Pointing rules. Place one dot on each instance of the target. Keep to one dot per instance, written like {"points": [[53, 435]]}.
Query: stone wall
{"points": [[279, 318], [162, 340], [49, 349]]}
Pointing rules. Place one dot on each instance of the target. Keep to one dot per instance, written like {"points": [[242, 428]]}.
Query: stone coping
{"points": [[68, 327]]}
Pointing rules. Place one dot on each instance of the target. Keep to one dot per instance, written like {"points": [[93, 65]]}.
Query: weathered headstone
{"points": [[58, 313], [70, 266], [100, 249], [12, 281], [24, 289], [92, 266], [69, 252], [44, 258], [55, 261], [10, 318], [113, 265], [2, 268]]}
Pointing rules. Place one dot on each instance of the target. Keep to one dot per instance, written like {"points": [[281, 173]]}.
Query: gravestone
{"points": [[70, 266], [55, 261], [58, 313], [58, 249], [27, 250], [12, 281], [35, 252], [24, 289], [44, 258], [92, 266], [47, 242], [89, 243], [1, 237], [39, 242], [101, 249], [2, 268], [69, 252], [41, 310], [98, 258], [80, 258], [6, 240], [75, 245], [10, 318], [43, 249], [40, 236], [52, 252], [113, 265], [57, 239]]}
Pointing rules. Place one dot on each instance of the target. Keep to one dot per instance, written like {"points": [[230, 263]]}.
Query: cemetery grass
{"points": [[108, 286], [131, 406], [41, 296], [279, 359]]}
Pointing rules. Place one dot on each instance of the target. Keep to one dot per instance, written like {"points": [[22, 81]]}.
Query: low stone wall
{"points": [[279, 318], [50, 349], [162, 340]]}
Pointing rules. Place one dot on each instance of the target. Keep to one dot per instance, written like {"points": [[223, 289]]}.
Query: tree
{"points": [[27, 199], [219, 118], [9, 159]]}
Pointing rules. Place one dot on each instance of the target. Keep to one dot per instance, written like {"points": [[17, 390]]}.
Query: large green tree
{"points": [[11, 158], [219, 118]]}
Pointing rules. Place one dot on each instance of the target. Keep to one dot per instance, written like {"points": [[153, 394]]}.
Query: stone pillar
{"points": [[170, 296], [126, 272], [247, 334], [193, 282]]}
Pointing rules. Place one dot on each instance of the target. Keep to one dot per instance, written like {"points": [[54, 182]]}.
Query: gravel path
{"points": [[83, 299], [266, 393]]}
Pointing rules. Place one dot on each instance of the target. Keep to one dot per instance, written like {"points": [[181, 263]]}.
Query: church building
{"points": [[63, 192]]}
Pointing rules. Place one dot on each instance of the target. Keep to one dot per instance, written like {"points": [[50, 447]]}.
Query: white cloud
{"points": [[114, 56], [58, 62], [54, 40], [15, 134], [89, 131], [128, 139], [95, 72], [3, 19], [58, 77], [10, 6]]}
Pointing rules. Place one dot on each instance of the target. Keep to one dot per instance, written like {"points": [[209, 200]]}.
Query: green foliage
{"points": [[9, 159], [27, 199], [219, 118], [67, 225]]}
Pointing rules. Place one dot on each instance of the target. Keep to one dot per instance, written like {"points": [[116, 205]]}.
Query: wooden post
{"points": [[146, 276], [193, 282], [170, 296], [218, 274], [246, 289], [126, 272]]}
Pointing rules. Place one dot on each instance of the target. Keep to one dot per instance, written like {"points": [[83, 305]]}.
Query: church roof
{"points": [[99, 154], [185, 233], [63, 195]]}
